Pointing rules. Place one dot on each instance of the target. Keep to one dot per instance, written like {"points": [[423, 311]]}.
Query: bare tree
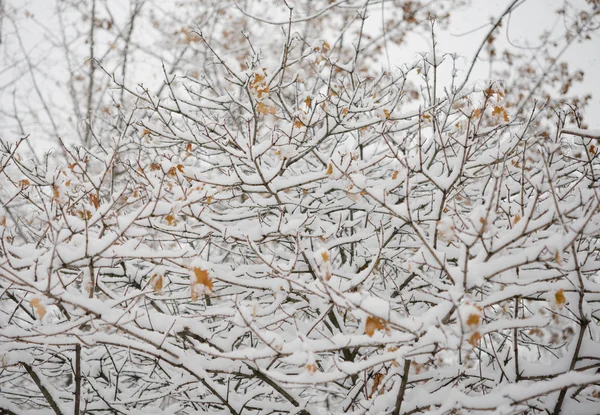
{"points": [[278, 226]]}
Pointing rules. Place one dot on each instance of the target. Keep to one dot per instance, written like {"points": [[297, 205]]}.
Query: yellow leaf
{"points": [[373, 323], [36, 303], [477, 113], [325, 256], [199, 281], [170, 219], [330, 169], [308, 101], [516, 219], [560, 297], [387, 114], [298, 123]]}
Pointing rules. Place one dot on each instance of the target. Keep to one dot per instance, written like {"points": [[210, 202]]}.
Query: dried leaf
{"points": [[265, 109], [171, 220], [377, 378], [516, 219], [94, 200], [24, 183], [387, 114], [373, 323], [560, 297], [474, 339], [395, 175], [36, 303], [308, 101], [473, 320], [157, 283], [200, 281], [330, 169]]}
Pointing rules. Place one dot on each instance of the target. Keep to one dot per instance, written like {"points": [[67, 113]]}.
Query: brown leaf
{"points": [[377, 378], [516, 219], [395, 174], [373, 323], [387, 114]]}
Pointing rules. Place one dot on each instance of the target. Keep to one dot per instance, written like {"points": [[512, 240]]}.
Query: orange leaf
{"points": [[36, 303], [157, 283], [516, 219], [146, 132], [377, 378], [24, 183], [200, 280], [265, 109], [474, 339], [188, 147], [395, 174], [170, 219], [308, 101], [373, 323], [473, 320], [330, 169], [94, 200], [312, 368], [325, 256]]}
